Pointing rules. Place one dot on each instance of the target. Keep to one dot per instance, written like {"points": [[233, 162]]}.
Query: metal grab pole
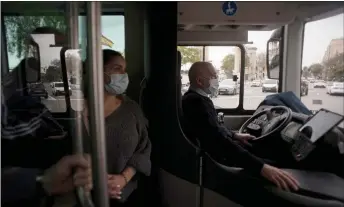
{"points": [[73, 10], [96, 103], [73, 28]]}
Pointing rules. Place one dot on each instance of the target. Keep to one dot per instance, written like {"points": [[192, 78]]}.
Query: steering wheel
{"points": [[268, 121]]}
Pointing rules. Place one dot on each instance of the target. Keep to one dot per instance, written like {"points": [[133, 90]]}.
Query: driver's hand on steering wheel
{"points": [[244, 138], [281, 178]]}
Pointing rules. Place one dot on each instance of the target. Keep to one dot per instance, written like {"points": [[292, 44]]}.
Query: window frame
{"points": [[302, 48], [239, 110]]}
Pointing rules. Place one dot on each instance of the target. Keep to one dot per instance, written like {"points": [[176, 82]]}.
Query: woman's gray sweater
{"points": [[127, 142]]}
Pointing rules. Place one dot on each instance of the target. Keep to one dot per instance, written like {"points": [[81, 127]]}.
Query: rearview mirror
{"points": [[273, 59]]}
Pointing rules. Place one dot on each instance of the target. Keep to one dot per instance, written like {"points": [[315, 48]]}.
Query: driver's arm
{"points": [[201, 117]]}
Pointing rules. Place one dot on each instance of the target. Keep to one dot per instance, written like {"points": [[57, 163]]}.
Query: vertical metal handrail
{"points": [[73, 28], [73, 39], [95, 103]]}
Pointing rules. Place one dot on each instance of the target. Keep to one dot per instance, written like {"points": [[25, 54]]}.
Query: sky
{"points": [[318, 35]]}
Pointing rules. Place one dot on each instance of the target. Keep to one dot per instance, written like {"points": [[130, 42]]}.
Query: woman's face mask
{"points": [[118, 84]]}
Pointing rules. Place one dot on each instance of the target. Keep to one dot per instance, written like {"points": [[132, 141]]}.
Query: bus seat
{"points": [[193, 143]]}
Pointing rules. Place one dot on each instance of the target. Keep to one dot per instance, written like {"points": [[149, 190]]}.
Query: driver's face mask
{"points": [[213, 86]]}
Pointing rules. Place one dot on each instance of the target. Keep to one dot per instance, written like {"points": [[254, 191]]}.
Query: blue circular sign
{"points": [[229, 8]]}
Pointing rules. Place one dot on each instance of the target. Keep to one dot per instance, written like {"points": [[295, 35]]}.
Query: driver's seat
{"points": [[270, 194], [222, 178]]}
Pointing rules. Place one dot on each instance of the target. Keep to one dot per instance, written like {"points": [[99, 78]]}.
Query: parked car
{"points": [[335, 88], [304, 88], [229, 87], [270, 85], [215, 94], [37, 90], [256, 83], [58, 89], [319, 84]]}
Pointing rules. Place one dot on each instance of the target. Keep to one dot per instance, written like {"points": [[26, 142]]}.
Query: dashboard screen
{"points": [[321, 123]]}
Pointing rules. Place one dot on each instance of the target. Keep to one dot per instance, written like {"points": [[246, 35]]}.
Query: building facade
{"points": [[251, 67], [335, 47]]}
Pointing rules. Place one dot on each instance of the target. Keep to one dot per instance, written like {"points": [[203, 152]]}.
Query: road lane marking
{"points": [[51, 98]]}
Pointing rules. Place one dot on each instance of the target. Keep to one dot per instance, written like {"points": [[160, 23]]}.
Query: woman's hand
{"points": [[115, 185]]}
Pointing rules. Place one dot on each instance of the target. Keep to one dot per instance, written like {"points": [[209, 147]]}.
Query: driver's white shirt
{"points": [[199, 91]]}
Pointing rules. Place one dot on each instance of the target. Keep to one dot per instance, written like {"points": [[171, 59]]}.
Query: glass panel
{"points": [[322, 65], [34, 37], [113, 31], [226, 61], [190, 55], [49, 54], [257, 86]]}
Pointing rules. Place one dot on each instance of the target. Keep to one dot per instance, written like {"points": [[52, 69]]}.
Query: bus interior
{"points": [[157, 40]]}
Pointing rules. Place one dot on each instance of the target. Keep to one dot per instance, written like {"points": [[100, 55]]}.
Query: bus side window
{"points": [[322, 64]]}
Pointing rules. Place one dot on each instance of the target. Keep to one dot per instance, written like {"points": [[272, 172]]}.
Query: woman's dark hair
{"points": [[107, 56]]}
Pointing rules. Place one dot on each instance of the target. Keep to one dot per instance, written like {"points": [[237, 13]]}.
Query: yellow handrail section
{"points": [[107, 42]]}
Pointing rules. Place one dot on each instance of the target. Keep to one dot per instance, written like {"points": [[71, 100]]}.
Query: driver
{"points": [[201, 122]]}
